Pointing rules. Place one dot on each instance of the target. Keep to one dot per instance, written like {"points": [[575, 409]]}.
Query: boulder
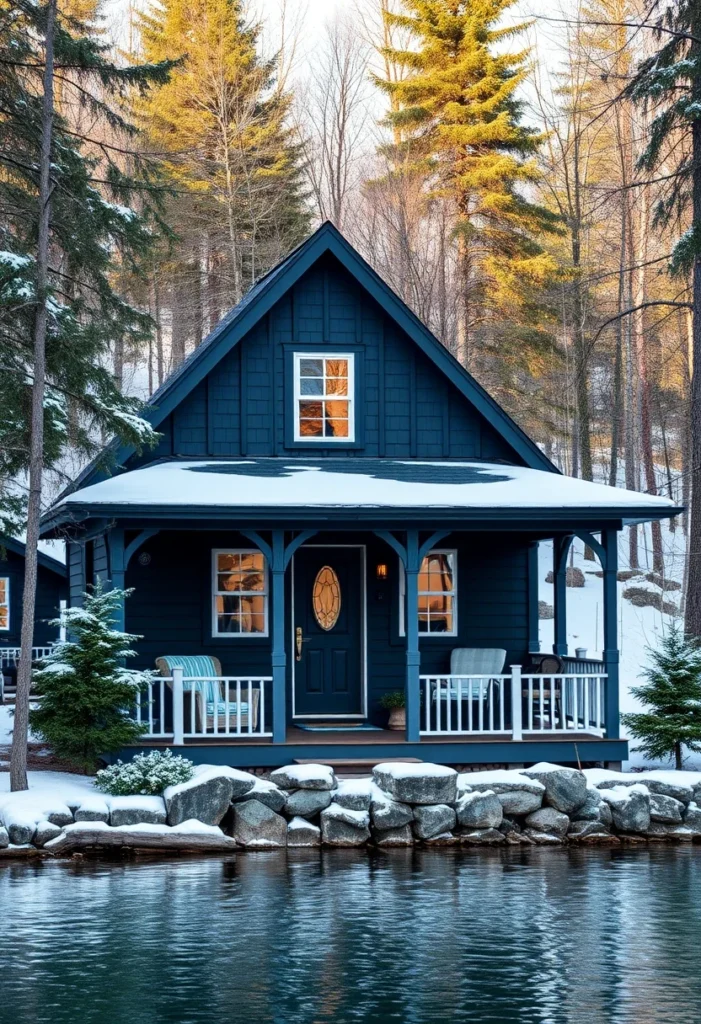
{"points": [[207, 795], [509, 827], [548, 820], [268, 793], [543, 838], [666, 809], [137, 810], [258, 826], [442, 839], [605, 816], [479, 810], [92, 808], [306, 803], [45, 832], [4, 838], [517, 794], [343, 827], [304, 776], [517, 839], [20, 832], [482, 837], [432, 819], [355, 794], [60, 816], [692, 816], [411, 783], [401, 836], [388, 813], [589, 811], [303, 833], [565, 788], [582, 829], [667, 784], [630, 807]]}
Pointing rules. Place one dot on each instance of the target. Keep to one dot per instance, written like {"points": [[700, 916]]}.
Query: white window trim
{"points": [[216, 594], [6, 604], [402, 594], [350, 356]]}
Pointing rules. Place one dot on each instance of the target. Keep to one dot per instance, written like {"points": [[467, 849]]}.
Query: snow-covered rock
{"points": [[22, 811], [517, 794], [304, 776], [542, 838], [136, 810], [355, 794], [630, 807], [483, 837], [256, 825], [186, 835], [92, 807], [549, 820], [584, 829], [207, 795], [401, 836], [433, 819], [343, 827], [589, 811], [268, 793], [479, 810], [301, 833], [306, 803], [412, 783], [565, 788], [45, 832], [387, 813], [692, 816], [666, 809], [4, 838]]}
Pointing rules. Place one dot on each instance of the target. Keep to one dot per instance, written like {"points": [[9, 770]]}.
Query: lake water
{"points": [[413, 936]]}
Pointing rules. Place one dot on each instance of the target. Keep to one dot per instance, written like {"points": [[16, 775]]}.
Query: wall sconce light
{"points": [[381, 571]]}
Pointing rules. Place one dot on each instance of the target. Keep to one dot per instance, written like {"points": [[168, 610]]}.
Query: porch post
{"points": [[611, 655], [279, 658], [413, 695], [533, 617], [115, 542], [561, 549]]}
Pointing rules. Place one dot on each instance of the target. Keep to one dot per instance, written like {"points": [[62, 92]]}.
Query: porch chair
{"points": [[210, 694], [473, 661]]}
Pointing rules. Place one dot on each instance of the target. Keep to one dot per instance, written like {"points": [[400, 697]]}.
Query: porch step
{"points": [[348, 766]]}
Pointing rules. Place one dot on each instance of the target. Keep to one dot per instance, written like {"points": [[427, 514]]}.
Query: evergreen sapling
{"points": [[87, 693], [672, 698]]}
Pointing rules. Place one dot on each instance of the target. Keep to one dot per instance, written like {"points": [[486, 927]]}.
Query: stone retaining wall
{"points": [[400, 805]]}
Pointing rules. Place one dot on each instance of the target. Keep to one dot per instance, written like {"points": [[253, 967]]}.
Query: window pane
{"points": [[252, 560], [310, 428], [228, 624], [227, 562], [336, 386], [3, 617], [336, 428], [441, 619], [229, 604], [337, 410], [310, 410], [3, 591], [311, 367], [312, 386], [336, 367], [229, 582], [253, 623]]}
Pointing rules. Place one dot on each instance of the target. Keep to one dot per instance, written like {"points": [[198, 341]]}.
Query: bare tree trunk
{"points": [[159, 329], [20, 731], [693, 591], [617, 410]]}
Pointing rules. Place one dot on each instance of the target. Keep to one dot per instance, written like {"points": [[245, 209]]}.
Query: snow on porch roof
{"points": [[354, 483]]}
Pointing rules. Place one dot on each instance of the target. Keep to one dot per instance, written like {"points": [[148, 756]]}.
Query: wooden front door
{"points": [[327, 632]]}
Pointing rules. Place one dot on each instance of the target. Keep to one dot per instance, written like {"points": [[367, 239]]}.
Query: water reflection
{"points": [[412, 936]]}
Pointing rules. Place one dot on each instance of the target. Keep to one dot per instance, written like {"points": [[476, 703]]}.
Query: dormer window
{"points": [[324, 397]]}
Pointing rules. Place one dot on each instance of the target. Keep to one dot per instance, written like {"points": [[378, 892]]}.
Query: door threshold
{"points": [[338, 726]]}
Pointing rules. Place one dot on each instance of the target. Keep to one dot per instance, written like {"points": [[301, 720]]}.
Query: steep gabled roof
{"points": [[269, 290], [18, 547]]}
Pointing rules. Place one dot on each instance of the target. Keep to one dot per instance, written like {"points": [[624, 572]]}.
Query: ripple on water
{"points": [[414, 936]]}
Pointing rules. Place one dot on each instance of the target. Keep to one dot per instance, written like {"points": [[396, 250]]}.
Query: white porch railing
{"points": [[9, 657], [205, 707], [513, 704]]}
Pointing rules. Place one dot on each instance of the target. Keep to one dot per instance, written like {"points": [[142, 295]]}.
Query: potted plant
{"points": [[395, 703]]}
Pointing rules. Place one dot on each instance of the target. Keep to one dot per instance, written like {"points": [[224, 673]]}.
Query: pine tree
{"points": [[64, 226], [222, 122], [672, 694], [455, 111], [86, 692]]}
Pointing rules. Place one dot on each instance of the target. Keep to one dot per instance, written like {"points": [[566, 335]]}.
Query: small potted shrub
{"points": [[395, 703]]}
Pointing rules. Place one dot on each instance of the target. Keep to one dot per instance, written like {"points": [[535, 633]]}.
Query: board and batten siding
{"points": [[407, 408]]}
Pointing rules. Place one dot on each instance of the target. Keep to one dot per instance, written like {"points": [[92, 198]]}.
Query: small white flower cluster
{"points": [[146, 774]]}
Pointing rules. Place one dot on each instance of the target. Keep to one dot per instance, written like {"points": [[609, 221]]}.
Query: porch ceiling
{"points": [[227, 488]]}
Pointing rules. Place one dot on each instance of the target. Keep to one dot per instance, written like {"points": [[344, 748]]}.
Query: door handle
{"points": [[299, 640]]}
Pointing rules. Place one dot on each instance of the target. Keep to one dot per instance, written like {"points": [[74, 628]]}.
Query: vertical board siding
{"points": [[74, 555], [51, 590], [407, 407]]}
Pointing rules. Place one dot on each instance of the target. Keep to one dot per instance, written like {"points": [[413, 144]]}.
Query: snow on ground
{"points": [[639, 628], [6, 727], [67, 786]]}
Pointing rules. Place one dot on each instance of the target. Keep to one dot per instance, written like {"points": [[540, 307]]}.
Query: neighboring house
{"points": [[337, 510], [52, 589]]}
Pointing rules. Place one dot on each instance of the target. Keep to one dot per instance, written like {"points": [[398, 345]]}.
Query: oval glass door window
{"points": [[326, 598]]}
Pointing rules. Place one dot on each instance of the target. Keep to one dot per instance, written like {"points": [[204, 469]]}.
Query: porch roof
{"points": [[223, 488]]}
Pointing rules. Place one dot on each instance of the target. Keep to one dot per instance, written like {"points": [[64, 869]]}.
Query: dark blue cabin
{"points": [[337, 511], [52, 591]]}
